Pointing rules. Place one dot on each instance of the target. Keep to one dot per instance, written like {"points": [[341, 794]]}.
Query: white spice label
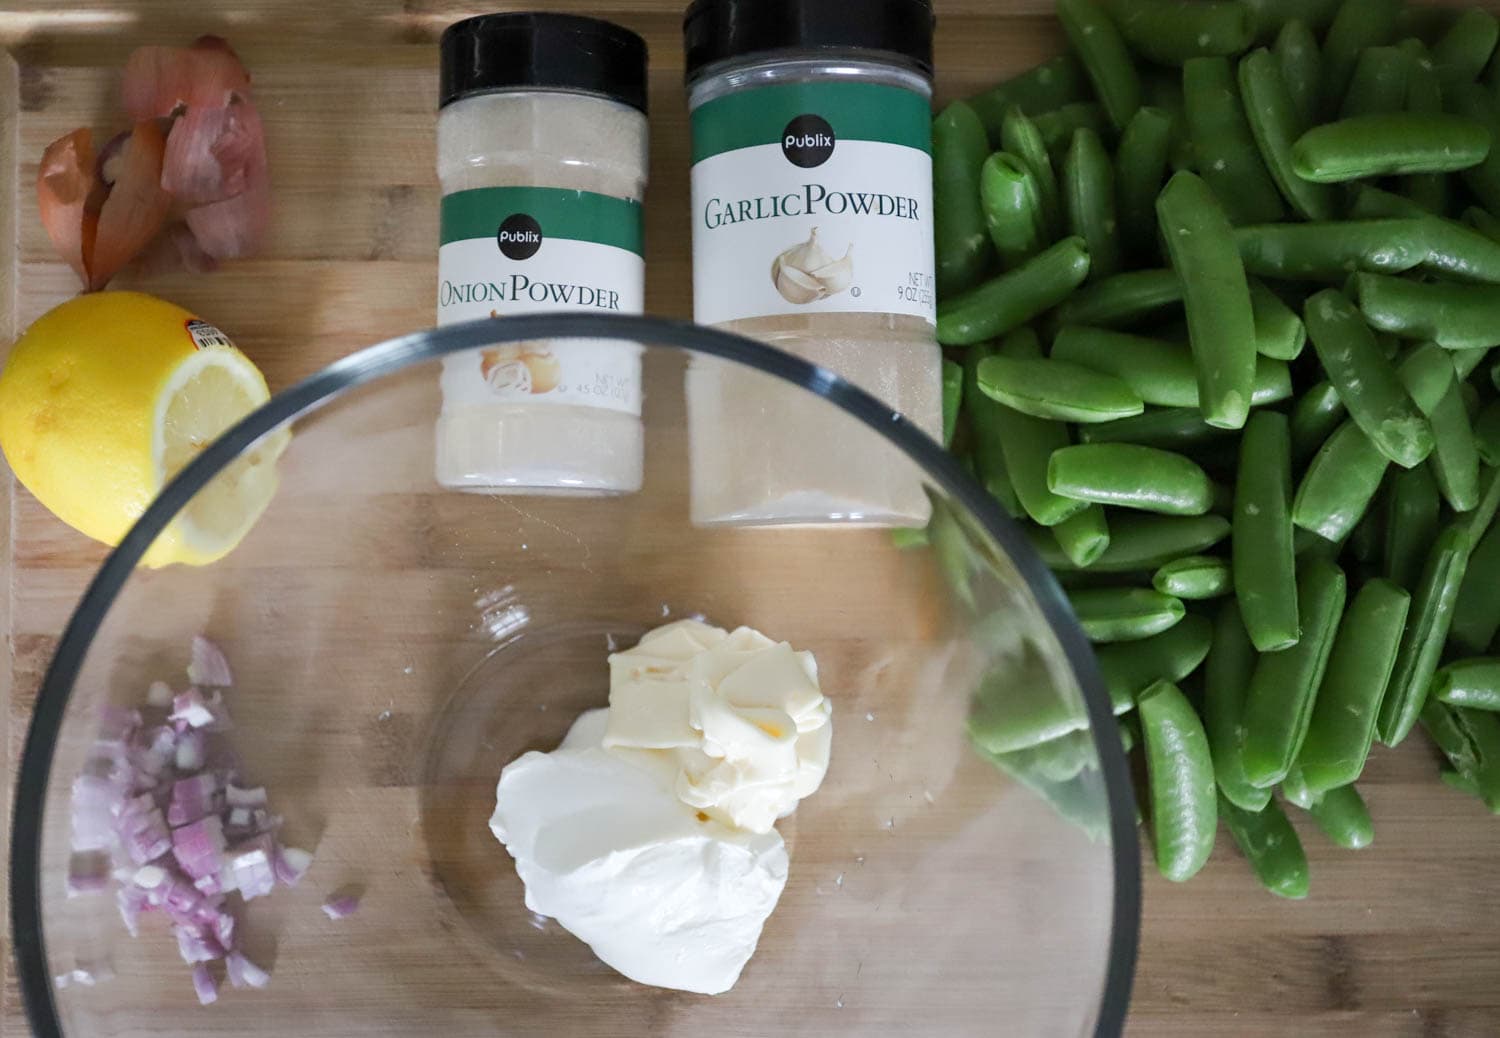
{"points": [[812, 198], [520, 250]]}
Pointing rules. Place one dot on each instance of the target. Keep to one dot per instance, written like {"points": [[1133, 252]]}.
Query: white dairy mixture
{"points": [[649, 833]]}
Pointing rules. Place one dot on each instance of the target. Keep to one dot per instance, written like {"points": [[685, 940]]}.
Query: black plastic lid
{"points": [[493, 52], [715, 30]]}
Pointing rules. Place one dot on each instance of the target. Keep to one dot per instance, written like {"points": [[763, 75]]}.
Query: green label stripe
{"points": [[856, 111], [562, 213]]}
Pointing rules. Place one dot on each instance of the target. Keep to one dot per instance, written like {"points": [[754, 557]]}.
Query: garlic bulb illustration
{"points": [[805, 273]]}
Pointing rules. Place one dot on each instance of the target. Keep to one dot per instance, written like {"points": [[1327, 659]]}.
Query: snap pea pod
{"points": [[1018, 707], [1057, 389], [1048, 86], [1078, 801], [1181, 775], [987, 448], [1342, 727], [1315, 415], [1121, 298], [1371, 203], [1296, 51], [1344, 819], [959, 148], [1427, 374], [1393, 143], [1169, 32], [1279, 332], [1012, 207], [1460, 252], [1463, 51], [1271, 845], [1455, 459], [1083, 536], [1271, 16], [996, 306], [1265, 580], [1020, 136], [1487, 433], [1088, 192], [1128, 475], [1368, 537], [1424, 93], [1483, 222], [1060, 759], [906, 538], [1175, 428], [1470, 739], [953, 386], [1426, 631], [1379, 83], [1478, 521], [1367, 383], [1058, 126], [1194, 577], [1231, 662], [1140, 167], [1101, 48], [1455, 316], [1459, 781], [1465, 361], [1295, 791], [1125, 614], [1161, 373], [1144, 542], [1474, 101], [1223, 145], [1339, 484], [1357, 25], [1330, 251], [1473, 682], [1284, 687], [1275, 124], [1027, 441], [1476, 611], [1129, 668], [1411, 523]]}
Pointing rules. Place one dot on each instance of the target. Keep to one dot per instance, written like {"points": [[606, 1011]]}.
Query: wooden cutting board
{"points": [[1400, 939]]}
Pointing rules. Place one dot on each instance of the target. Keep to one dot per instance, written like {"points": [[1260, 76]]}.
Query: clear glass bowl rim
{"points": [[370, 364]]}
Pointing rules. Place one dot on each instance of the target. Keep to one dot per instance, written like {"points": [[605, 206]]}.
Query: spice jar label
{"points": [[812, 198], [517, 250]]}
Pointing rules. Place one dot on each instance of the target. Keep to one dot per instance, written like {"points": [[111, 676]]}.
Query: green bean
{"points": [[1427, 374], [1473, 682], [1088, 191], [1279, 701], [1342, 727], [1121, 299], [1083, 536], [1125, 614], [1194, 577], [1344, 819], [1379, 83], [1048, 86], [1058, 126], [1339, 484], [1366, 382], [1295, 791], [1012, 207], [1456, 317], [1271, 845], [1020, 136], [1389, 144], [1161, 373], [988, 441], [1476, 611], [1476, 102], [1426, 630], [1140, 167], [1487, 434], [1169, 32], [1130, 476], [1144, 542], [1216, 297], [1231, 662], [1464, 50], [1183, 814], [1296, 51], [1357, 25], [996, 306], [1315, 415], [1271, 16], [1105, 57], [1275, 124], [1470, 739], [1483, 222], [1227, 157], [1455, 459], [1330, 251], [1411, 523], [1264, 568], [953, 386], [1129, 668], [1175, 428], [959, 147], [1057, 389]]}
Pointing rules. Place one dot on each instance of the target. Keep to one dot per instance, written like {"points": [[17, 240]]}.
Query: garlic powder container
{"points": [[542, 150], [812, 231]]}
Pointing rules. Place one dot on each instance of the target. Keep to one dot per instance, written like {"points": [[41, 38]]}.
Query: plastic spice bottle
{"points": [[812, 231], [542, 150]]}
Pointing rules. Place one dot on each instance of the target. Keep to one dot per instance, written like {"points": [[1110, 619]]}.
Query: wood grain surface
{"points": [[1400, 939]]}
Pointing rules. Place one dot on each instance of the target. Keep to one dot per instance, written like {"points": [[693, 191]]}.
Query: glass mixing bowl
{"points": [[394, 645]]}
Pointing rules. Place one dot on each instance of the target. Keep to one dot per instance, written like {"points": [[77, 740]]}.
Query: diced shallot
{"points": [[292, 864], [243, 973], [205, 985], [208, 666], [341, 906]]}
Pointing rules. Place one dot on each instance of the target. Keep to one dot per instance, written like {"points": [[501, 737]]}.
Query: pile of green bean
{"points": [[1281, 553]]}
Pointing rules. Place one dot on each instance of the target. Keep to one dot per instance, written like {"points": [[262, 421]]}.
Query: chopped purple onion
{"points": [[341, 906], [205, 985], [211, 885], [195, 945], [159, 694], [208, 665], [237, 797], [252, 866], [117, 724], [88, 874], [192, 799], [145, 835], [292, 864], [243, 973], [199, 847], [192, 749], [224, 931], [191, 709], [131, 902]]}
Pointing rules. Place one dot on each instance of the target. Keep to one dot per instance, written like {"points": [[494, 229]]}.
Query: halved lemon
{"points": [[108, 396]]}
